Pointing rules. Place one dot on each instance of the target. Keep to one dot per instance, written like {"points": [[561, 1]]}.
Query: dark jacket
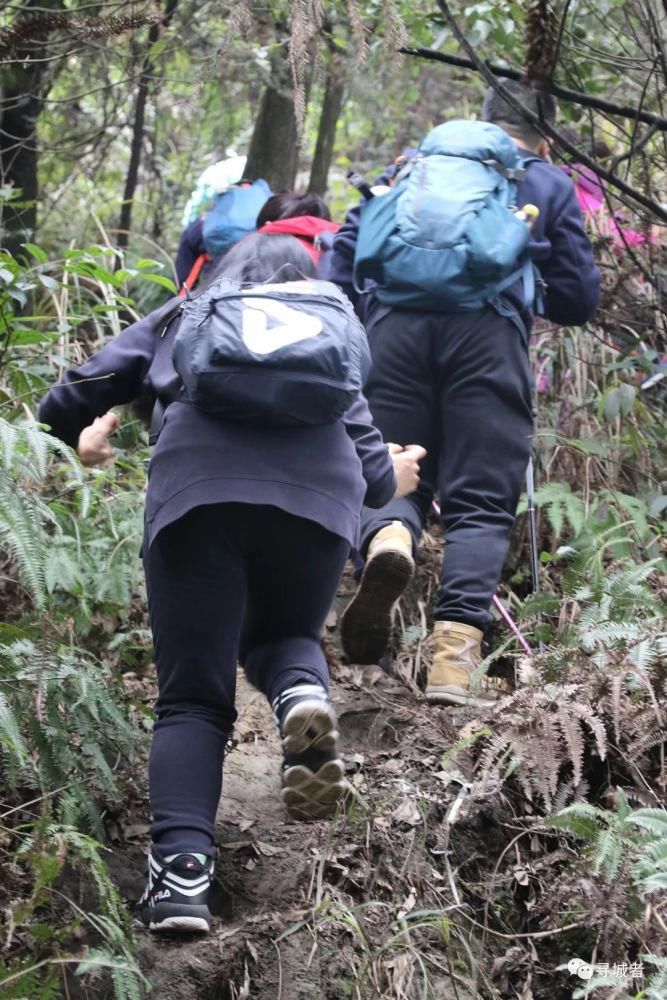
{"points": [[191, 246], [323, 473], [560, 248]]}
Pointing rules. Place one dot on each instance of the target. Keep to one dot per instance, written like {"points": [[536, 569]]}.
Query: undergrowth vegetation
{"points": [[69, 545], [571, 766], [574, 760]]}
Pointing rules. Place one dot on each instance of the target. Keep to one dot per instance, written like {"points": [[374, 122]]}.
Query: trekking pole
{"points": [[502, 610], [532, 525]]}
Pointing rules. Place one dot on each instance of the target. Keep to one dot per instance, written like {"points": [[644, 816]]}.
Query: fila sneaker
{"points": [[176, 896], [313, 771]]}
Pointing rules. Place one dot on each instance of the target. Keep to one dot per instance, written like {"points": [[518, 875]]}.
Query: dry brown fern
{"points": [[543, 740], [36, 27], [540, 44]]}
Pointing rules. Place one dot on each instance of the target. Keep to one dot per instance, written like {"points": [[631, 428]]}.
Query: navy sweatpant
{"points": [[227, 582], [460, 385]]}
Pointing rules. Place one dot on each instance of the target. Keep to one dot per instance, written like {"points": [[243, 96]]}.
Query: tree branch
{"points": [[543, 127], [572, 96]]}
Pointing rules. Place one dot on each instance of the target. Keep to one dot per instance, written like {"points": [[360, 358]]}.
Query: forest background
{"points": [[108, 113]]}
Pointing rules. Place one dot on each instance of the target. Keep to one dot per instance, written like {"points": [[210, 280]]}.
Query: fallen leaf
{"points": [[136, 831], [407, 813], [354, 762], [252, 951], [408, 905], [268, 850]]}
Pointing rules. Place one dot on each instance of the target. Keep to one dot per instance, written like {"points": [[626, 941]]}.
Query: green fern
{"points": [[42, 687], [613, 840], [27, 525], [560, 506], [45, 852]]}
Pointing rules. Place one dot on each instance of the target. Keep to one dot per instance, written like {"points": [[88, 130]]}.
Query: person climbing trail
{"points": [[265, 454], [304, 216], [450, 308]]}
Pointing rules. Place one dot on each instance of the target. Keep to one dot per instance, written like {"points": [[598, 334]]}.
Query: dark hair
{"points": [[289, 204], [495, 109], [267, 257]]}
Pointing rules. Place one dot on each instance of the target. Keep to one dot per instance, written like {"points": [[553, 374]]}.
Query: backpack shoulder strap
{"points": [[193, 274]]}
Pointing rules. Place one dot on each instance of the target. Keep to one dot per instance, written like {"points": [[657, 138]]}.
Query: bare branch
{"points": [[543, 127], [572, 96]]}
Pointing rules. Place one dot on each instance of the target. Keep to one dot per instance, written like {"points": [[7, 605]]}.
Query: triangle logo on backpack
{"points": [[290, 326]]}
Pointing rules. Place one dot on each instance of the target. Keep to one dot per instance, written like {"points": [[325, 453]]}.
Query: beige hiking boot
{"points": [[367, 621], [457, 653]]}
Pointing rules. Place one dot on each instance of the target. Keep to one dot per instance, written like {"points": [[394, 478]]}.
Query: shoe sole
{"points": [[161, 918], [310, 725], [308, 794], [314, 795], [447, 696], [367, 622], [180, 925], [176, 925]]}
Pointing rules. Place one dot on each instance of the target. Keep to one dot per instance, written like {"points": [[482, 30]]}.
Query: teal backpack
{"points": [[233, 216], [446, 237]]}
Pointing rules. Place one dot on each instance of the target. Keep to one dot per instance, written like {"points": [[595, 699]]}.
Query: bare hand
{"points": [[94, 447], [406, 467]]}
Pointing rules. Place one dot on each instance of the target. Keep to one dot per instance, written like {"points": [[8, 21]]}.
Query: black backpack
{"points": [[276, 354]]}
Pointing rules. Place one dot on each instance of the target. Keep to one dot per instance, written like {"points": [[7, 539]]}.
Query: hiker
{"points": [[602, 221], [304, 216], [451, 366], [248, 526], [206, 240]]}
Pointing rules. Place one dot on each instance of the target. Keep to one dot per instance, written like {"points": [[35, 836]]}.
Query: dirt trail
{"points": [[268, 865], [318, 909]]}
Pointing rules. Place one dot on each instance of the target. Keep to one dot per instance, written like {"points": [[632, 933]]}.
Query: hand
{"points": [[94, 447], [406, 467]]}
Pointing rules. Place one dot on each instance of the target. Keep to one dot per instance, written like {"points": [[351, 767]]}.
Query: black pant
{"points": [[461, 387], [227, 581]]}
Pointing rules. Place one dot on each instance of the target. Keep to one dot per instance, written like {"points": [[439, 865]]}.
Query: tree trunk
{"points": [[19, 160], [332, 104], [24, 89], [274, 147], [143, 89]]}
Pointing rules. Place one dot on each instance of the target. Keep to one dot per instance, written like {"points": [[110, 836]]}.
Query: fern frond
{"points": [[588, 718], [608, 854], [572, 735], [653, 820], [646, 742], [17, 757], [540, 34], [617, 682]]}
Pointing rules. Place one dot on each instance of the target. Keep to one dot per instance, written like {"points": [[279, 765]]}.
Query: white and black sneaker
{"points": [[313, 771], [176, 896]]}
